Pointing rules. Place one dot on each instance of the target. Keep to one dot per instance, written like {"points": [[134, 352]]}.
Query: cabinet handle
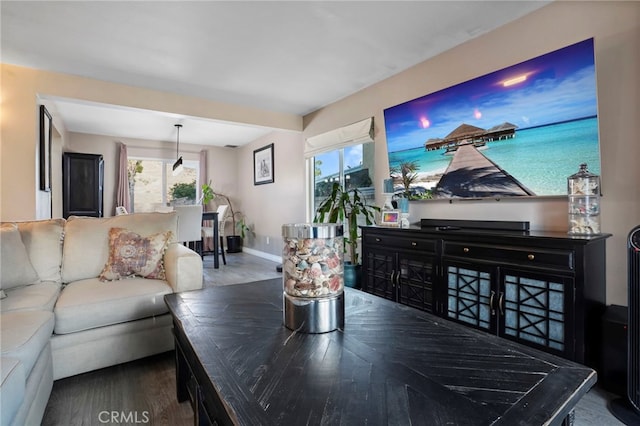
{"points": [[413, 243], [378, 240], [395, 278], [501, 303], [493, 309], [466, 249], [531, 256]]}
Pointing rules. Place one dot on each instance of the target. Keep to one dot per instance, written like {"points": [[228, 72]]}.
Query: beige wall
{"points": [[269, 206], [615, 26], [23, 89], [230, 171]]}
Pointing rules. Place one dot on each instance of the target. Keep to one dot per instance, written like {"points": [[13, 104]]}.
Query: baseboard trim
{"points": [[262, 254]]}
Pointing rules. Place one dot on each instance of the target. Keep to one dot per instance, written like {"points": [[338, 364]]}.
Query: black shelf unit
{"points": [[82, 184]]}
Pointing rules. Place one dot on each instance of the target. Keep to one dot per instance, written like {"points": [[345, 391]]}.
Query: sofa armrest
{"points": [[12, 388], [183, 268]]}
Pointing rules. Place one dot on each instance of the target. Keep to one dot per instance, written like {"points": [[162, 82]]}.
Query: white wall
{"points": [[615, 26]]}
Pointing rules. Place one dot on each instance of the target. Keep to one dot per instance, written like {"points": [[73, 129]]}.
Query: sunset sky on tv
{"points": [[555, 87]]}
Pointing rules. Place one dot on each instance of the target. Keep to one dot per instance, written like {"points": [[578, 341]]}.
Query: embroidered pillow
{"points": [[131, 255]]}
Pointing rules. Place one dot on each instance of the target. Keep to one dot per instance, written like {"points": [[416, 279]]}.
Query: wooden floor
{"points": [[143, 391], [240, 268], [138, 392]]}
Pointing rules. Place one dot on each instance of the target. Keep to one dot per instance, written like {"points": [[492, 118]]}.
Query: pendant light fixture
{"points": [[177, 166]]}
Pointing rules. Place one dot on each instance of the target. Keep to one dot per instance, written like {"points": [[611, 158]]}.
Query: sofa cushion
{"points": [[43, 240], [131, 254], [15, 266], [11, 388], [40, 296], [23, 335], [92, 303], [86, 241]]}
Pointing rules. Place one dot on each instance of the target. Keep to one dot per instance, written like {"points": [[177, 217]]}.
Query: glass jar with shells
{"points": [[584, 202]]}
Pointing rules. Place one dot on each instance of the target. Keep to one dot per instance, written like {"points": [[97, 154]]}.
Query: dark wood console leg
{"points": [[182, 375], [570, 419]]}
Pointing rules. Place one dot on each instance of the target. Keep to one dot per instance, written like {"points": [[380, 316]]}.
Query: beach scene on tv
{"points": [[519, 131]]}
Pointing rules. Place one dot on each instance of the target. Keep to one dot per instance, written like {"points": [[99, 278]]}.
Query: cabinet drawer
{"points": [[543, 258], [399, 242]]}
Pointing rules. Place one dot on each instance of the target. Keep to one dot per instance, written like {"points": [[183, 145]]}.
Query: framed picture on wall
{"points": [[263, 165], [46, 133]]}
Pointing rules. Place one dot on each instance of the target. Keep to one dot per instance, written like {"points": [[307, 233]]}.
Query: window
{"points": [[344, 155], [351, 166], [152, 184]]}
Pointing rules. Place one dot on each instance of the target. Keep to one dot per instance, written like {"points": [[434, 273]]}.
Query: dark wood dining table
{"points": [[390, 365], [213, 217]]}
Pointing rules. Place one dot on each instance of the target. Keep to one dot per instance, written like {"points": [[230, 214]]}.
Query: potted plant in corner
{"points": [[242, 227], [345, 206], [234, 242]]}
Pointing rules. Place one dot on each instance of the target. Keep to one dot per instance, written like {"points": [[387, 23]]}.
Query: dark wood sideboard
{"points": [[542, 289]]}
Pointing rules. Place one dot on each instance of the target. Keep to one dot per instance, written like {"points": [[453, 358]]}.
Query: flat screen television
{"points": [[516, 132]]}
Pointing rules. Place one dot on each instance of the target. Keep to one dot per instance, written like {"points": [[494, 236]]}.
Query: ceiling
{"points": [[292, 57]]}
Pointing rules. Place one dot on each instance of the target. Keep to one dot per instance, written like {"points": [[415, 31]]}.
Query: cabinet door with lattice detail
{"points": [[471, 295], [379, 273], [415, 280], [535, 309]]}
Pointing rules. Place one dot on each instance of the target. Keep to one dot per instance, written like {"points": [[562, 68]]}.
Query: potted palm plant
{"points": [[345, 206]]}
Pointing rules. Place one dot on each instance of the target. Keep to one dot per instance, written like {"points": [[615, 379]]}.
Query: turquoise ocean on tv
{"points": [[541, 158]]}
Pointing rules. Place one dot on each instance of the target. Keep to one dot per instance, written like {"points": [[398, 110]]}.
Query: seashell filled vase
{"points": [[584, 202], [313, 277]]}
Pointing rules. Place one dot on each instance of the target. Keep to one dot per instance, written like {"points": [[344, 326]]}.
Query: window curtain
{"points": [[353, 134], [202, 177], [122, 194], [207, 241]]}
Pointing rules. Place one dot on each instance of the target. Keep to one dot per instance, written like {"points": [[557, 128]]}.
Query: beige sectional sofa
{"points": [[70, 303]]}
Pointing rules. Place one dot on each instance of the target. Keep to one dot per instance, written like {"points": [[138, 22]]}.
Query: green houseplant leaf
{"points": [[345, 206], [207, 193]]}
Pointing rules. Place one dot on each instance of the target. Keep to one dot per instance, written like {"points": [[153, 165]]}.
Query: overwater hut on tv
{"points": [[468, 134]]}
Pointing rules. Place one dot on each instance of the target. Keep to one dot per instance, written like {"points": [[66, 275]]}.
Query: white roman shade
{"points": [[353, 134]]}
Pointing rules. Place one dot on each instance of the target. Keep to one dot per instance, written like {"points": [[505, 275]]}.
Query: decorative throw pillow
{"points": [[15, 266], [131, 255]]}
